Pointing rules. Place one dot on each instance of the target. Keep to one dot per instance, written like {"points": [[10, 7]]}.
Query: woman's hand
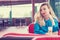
{"points": [[55, 33], [52, 33], [49, 33]]}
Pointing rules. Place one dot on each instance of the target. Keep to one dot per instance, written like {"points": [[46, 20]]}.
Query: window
{"points": [[56, 7], [18, 12]]}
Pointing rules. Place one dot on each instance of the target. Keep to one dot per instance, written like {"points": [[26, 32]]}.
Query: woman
{"points": [[46, 21]]}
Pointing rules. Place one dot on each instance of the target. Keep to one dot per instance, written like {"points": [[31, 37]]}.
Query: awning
{"points": [[18, 2]]}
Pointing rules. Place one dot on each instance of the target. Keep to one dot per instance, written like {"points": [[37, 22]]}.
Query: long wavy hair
{"points": [[38, 17]]}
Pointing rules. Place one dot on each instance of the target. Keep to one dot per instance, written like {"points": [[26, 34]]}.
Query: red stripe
{"points": [[16, 34]]}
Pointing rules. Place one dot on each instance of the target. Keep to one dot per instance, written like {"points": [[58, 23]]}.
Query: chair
{"points": [[1, 23], [59, 29], [16, 22], [22, 21], [31, 28]]}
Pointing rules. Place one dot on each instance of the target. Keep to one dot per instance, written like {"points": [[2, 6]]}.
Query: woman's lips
{"points": [[44, 14]]}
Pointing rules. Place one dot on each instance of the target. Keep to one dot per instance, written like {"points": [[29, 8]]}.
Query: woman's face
{"points": [[44, 10]]}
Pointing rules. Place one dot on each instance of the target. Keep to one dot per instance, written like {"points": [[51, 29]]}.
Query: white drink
{"points": [[50, 30]]}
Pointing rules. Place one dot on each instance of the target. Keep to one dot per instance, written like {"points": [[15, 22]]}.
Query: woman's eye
{"points": [[44, 8], [40, 10]]}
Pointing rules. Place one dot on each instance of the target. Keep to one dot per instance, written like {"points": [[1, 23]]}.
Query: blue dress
{"points": [[44, 29]]}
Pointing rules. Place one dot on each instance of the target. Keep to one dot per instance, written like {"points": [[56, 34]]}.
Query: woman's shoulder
{"points": [[55, 19], [36, 23]]}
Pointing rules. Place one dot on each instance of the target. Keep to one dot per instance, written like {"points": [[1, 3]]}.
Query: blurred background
{"points": [[20, 13]]}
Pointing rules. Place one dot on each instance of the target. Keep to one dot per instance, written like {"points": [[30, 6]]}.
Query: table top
{"points": [[16, 32], [28, 35]]}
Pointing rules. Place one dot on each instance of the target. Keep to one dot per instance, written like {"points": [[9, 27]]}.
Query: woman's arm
{"points": [[55, 27], [37, 29]]}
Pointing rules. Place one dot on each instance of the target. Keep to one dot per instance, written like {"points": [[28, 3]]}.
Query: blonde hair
{"points": [[38, 17]]}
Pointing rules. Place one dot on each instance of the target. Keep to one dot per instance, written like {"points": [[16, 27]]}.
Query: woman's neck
{"points": [[46, 17]]}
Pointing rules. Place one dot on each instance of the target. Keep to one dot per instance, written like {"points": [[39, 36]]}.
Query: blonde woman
{"points": [[45, 20]]}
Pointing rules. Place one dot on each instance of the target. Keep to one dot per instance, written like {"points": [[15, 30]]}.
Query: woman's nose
{"points": [[42, 12]]}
